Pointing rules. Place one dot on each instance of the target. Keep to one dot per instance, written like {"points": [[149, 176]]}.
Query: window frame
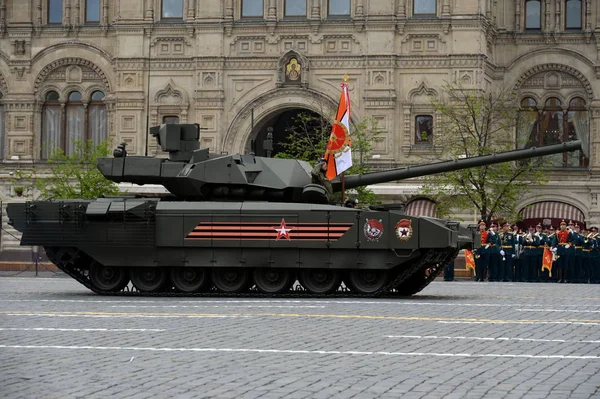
{"points": [[339, 16], [85, 15], [294, 16], [48, 12], [167, 116], [64, 105], [171, 19], [525, 16], [250, 17], [424, 15], [580, 27], [421, 142]]}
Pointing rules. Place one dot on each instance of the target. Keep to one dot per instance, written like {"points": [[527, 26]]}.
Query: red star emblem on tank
{"points": [[404, 230], [283, 231]]}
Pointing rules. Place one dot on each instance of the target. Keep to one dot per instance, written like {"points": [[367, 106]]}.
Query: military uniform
{"points": [[595, 257], [530, 243], [576, 274], [564, 249], [481, 255], [507, 254], [588, 244], [318, 177], [493, 247]]}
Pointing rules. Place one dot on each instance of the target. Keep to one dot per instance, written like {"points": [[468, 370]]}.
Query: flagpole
{"points": [[343, 186]]}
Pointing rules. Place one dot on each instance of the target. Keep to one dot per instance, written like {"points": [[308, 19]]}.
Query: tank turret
{"points": [[192, 173]]}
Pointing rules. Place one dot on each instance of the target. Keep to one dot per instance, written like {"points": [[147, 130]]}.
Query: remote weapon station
{"points": [[244, 225]]}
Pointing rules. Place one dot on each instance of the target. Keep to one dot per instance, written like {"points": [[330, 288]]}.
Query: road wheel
{"points": [[108, 278], [149, 279], [320, 281], [273, 281], [190, 279], [367, 281], [231, 279]]}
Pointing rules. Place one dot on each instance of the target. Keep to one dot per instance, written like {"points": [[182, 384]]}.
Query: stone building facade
{"points": [[78, 69]]}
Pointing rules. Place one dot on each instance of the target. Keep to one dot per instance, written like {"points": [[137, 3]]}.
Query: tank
{"points": [[244, 225]]}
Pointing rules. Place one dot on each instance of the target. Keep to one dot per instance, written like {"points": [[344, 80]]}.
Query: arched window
{"points": [[423, 129], [2, 131], [75, 122], [533, 14], [79, 122], [52, 136], [573, 14], [554, 126], [170, 119], [528, 133], [97, 118], [577, 129]]}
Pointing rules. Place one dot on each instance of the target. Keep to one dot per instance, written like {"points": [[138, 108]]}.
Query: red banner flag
{"points": [[547, 261], [338, 155], [469, 259]]}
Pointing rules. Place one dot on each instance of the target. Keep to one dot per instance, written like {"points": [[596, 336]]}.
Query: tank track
{"points": [[75, 264]]}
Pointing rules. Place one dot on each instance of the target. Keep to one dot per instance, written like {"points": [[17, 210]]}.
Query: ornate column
{"points": [[548, 17], [77, 19], [228, 23], [37, 22], [517, 15], [557, 14], [272, 11], [105, 13], [2, 17], [315, 10], [67, 17], [446, 9], [191, 10], [588, 16], [359, 9], [149, 13], [401, 16]]}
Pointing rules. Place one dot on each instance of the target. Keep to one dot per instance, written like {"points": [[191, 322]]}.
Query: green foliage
{"points": [[475, 123], [76, 176], [307, 140]]}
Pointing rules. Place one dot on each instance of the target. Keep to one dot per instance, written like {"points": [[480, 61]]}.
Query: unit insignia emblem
{"points": [[404, 230], [373, 229]]}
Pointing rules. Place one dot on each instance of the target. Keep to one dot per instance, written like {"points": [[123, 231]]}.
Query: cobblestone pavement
{"points": [[453, 340]]}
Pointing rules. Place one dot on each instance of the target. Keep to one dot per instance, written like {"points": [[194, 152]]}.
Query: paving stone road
{"points": [[453, 340]]}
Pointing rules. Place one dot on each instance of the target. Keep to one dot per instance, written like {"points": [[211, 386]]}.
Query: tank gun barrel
{"points": [[366, 179]]}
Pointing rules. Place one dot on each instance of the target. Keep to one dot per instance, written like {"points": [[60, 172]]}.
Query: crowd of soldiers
{"points": [[572, 255]]}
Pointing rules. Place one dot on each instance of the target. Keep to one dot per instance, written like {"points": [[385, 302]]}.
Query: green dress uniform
{"points": [[318, 177], [543, 275], [586, 263], [493, 239], [595, 268], [530, 243], [576, 270], [507, 255]]}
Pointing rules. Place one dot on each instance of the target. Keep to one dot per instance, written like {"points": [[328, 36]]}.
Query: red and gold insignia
{"points": [[404, 230], [373, 229]]}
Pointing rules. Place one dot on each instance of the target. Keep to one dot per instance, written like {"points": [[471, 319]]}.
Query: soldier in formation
{"points": [[514, 255]]}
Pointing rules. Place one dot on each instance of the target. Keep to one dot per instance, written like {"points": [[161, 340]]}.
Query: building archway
{"points": [[265, 107], [280, 124]]}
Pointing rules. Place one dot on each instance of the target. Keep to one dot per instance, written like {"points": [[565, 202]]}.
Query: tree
{"points": [[307, 140], [476, 123], [76, 176]]}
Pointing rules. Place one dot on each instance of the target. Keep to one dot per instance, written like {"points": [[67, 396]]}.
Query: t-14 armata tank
{"points": [[244, 225]]}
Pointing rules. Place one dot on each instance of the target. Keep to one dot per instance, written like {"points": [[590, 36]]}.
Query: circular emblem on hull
{"points": [[373, 229], [404, 230]]}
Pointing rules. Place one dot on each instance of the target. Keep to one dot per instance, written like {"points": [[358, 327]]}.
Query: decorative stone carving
{"points": [[65, 62], [554, 76], [170, 46]]}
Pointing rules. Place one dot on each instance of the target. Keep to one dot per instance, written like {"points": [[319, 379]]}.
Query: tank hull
{"points": [[141, 237]]}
